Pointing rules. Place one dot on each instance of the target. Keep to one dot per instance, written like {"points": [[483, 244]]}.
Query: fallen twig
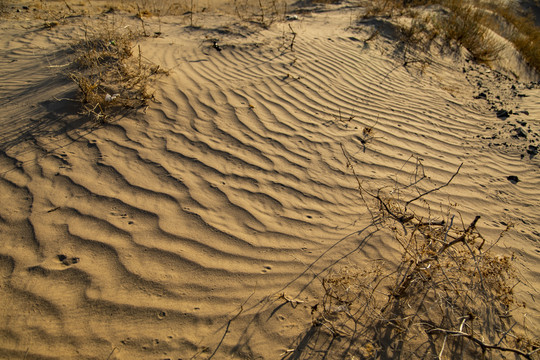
{"points": [[293, 38], [483, 345], [434, 189]]}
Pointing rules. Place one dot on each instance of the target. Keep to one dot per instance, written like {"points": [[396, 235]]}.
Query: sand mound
{"points": [[171, 233]]}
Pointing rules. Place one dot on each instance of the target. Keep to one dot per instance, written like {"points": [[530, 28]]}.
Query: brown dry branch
{"points": [[448, 295], [140, 15], [191, 11], [293, 37], [485, 346]]}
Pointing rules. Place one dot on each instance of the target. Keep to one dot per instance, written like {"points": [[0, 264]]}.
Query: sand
{"points": [[171, 233]]}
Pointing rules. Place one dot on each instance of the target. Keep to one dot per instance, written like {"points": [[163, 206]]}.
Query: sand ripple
{"points": [[151, 233]]}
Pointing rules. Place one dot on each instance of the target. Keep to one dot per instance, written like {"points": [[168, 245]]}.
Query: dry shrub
{"points": [[327, 1], [529, 47], [461, 23], [464, 24], [419, 33], [519, 28], [111, 78], [383, 8], [3, 6], [448, 296], [262, 12], [152, 7]]}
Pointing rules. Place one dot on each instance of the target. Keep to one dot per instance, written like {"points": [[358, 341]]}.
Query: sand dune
{"points": [[171, 233]]}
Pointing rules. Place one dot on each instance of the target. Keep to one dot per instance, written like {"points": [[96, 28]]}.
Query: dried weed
{"points": [[111, 78], [447, 295]]}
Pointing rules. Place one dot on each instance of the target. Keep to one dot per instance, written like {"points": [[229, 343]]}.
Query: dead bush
{"points": [[383, 8], [464, 25], [261, 12], [449, 296], [110, 77], [3, 7], [519, 28]]}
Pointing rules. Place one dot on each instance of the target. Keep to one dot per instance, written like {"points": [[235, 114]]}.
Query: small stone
{"points": [[532, 150], [67, 261], [520, 133], [502, 114], [481, 96], [513, 179]]}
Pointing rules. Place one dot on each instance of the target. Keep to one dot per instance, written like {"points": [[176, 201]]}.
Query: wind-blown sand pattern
{"points": [[171, 233]]}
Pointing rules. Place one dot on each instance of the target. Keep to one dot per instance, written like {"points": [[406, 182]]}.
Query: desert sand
{"points": [[171, 233]]}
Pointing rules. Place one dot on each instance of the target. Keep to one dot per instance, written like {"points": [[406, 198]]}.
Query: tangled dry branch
{"points": [[448, 295]]}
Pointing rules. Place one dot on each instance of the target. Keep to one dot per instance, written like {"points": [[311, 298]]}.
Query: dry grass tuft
{"points": [[327, 1], [149, 8], [383, 8], [111, 78], [261, 12], [3, 6], [519, 28], [465, 24]]}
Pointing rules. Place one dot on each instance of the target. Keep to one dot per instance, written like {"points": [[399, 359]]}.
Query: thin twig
{"points": [[476, 265], [360, 188], [293, 38], [229, 324], [506, 333], [113, 350], [293, 302], [442, 348], [434, 189], [482, 344]]}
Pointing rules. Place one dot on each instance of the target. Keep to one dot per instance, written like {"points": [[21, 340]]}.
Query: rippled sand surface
{"points": [[172, 232]]}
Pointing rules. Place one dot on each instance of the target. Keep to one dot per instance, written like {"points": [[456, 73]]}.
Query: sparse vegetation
{"points": [[465, 24], [111, 73], [153, 7], [383, 8], [519, 28], [469, 24], [448, 296], [264, 13], [327, 1], [3, 6]]}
